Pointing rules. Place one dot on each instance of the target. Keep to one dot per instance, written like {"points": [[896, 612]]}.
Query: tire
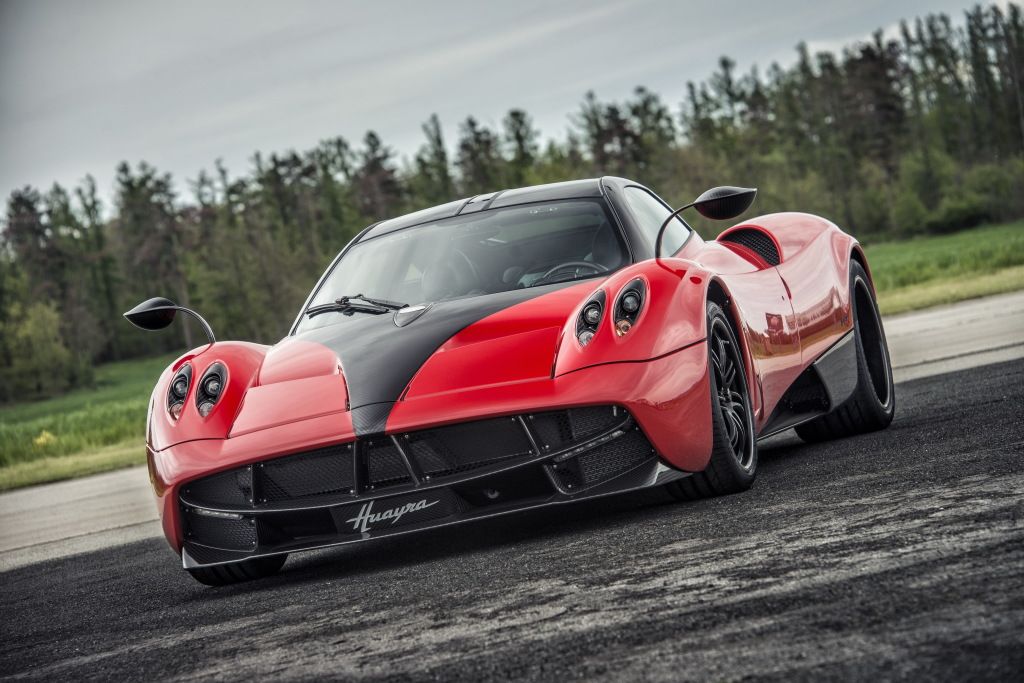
{"points": [[873, 403], [733, 463], [236, 572]]}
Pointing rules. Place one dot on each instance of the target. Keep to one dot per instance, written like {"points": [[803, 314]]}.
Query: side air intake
{"points": [[757, 241]]}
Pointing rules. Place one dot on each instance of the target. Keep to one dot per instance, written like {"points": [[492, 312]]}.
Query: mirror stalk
{"points": [[661, 230], [202, 323]]}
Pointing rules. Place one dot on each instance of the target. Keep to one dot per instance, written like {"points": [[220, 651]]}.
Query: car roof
{"points": [[572, 189]]}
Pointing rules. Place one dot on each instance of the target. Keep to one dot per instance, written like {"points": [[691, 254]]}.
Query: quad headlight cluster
{"points": [[628, 306], [208, 391]]}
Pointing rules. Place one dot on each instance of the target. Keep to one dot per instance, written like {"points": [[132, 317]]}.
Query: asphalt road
{"points": [[893, 555]]}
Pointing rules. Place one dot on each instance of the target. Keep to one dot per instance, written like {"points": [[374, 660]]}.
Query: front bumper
{"points": [[410, 482], [381, 487]]}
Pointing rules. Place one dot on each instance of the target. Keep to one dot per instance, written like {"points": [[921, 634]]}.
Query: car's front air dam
{"points": [[173, 466], [668, 397]]}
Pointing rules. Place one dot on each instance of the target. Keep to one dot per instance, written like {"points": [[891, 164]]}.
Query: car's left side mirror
{"points": [[723, 203], [158, 312]]}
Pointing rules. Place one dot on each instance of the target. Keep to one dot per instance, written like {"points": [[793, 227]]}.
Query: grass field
{"points": [[99, 429], [83, 432], [928, 271]]}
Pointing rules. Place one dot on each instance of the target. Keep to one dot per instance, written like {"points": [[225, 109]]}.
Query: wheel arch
{"points": [[718, 292], [857, 254]]}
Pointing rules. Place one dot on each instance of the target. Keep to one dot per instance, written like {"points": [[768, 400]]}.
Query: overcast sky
{"points": [[85, 85]]}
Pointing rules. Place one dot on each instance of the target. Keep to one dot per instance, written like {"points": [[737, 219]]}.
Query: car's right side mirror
{"points": [[723, 203]]}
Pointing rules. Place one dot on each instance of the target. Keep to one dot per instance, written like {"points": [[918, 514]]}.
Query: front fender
{"points": [[672, 317], [242, 361]]}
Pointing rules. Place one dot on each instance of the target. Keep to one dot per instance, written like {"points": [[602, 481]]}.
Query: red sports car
{"points": [[514, 350]]}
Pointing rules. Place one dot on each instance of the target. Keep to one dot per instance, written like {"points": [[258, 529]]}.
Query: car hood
{"points": [[481, 340]]}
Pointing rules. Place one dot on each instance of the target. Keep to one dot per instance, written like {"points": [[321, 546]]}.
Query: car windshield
{"points": [[476, 254]]}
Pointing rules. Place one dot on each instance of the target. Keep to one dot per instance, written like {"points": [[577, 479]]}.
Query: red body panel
{"points": [[525, 358], [243, 362]]}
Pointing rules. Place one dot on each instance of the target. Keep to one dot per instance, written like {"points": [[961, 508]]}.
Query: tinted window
{"points": [[650, 213]]}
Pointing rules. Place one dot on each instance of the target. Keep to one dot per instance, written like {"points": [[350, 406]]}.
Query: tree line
{"points": [[894, 136]]}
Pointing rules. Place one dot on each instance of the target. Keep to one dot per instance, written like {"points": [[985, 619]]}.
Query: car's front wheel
{"points": [[235, 572], [733, 463]]}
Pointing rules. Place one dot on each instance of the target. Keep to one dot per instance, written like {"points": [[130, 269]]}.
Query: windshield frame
{"points": [[609, 208]]}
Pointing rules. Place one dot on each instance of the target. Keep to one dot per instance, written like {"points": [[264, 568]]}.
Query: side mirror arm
{"points": [[202, 323], [661, 231]]}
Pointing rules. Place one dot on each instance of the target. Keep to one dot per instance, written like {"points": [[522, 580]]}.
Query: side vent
{"points": [[757, 241]]}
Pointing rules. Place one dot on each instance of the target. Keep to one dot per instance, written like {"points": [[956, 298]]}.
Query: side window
{"points": [[650, 213]]}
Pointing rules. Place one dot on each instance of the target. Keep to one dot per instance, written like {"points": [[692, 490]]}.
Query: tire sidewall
{"points": [[869, 398], [720, 443]]}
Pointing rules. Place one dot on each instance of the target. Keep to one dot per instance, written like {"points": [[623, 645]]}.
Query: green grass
{"points": [[937, 292], [895, 265], [56, 468], [84, 420], [93, 430], [928, 271]]}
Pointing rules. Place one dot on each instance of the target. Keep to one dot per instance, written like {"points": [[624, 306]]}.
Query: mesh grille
{"points": [[758, 242], [551, 429], [590, 421], [617, 456], [462, 447], [230, 534], [385, 464], [233, 487], [605, 462], [317, 473]]}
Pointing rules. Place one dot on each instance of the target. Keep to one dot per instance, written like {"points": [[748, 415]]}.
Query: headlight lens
{"points": [[212, 385], [211, 388], [631, 302], [178, 390], [590, 318], [628, 305]]}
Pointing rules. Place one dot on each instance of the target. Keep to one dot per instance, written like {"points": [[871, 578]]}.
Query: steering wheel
{"points": [[577, 265]]}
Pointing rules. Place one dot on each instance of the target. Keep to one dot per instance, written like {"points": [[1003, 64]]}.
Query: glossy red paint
{"points": [[513, 345], [670, 319], [294, 359], [658, 392], [242, 361]]}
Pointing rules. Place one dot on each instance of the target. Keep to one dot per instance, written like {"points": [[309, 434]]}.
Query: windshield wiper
{"points": [[383, 303], [355, 304]]}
